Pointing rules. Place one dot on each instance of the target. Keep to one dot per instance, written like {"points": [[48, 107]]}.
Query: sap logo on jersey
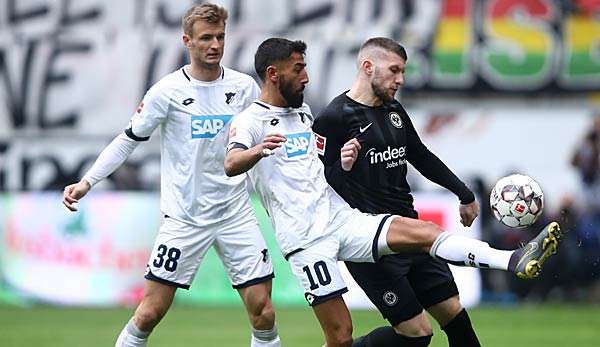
{"points": [[207, 127], [297, 144]]}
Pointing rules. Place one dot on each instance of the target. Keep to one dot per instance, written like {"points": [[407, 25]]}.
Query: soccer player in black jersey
{"points": [[365, 140]]}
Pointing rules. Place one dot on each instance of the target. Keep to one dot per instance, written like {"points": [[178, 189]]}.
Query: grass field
{"points": [[515, 326]]}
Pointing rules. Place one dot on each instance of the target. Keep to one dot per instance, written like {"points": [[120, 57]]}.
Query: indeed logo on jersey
{"points": [[207, 127], [393, 157], [297, 144]]}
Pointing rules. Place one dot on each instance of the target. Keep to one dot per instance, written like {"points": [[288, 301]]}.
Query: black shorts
{"points": [[401, 285]]}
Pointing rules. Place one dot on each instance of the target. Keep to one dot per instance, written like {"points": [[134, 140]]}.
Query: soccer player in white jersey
{"points": [[273, 141], [202, 207]]}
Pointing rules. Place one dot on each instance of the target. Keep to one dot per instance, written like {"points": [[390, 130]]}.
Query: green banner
{"points": [[107, 256]]}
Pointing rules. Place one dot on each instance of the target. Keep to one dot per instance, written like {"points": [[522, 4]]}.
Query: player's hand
{"points": [[349, 153], [468, 213], [74, 192], [270, 143]]}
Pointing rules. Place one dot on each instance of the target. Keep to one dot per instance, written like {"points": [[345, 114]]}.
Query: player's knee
{"points": [[454, 306], [433, 228], [150, 312], [432, 231], [447, 310], [415, 327], [147, 317]]}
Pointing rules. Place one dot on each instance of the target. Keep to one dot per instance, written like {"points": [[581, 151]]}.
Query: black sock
{"points": [[460, 331], [387, 336]]}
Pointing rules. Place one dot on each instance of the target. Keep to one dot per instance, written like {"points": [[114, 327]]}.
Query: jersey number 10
{"points": [[322, 273]]}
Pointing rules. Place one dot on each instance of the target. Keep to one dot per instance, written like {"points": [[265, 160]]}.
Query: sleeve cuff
{"points": [[234, 145], [89, 180], [131, 135], [467, 197]]}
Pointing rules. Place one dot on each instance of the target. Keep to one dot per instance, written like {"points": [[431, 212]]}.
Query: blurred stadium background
{"points": [[493, 87]]}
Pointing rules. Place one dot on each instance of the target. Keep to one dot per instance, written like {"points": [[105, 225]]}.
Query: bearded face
{"points": [[293, 95], [380, 89]]}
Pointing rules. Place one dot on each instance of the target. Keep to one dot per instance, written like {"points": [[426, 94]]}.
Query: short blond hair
{"points": [[210, 13]]}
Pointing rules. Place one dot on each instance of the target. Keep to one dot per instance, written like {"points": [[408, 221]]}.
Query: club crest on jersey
{"points": [[396, 120], [229, 97], [390, 298], [297, 144], [207, 127]]}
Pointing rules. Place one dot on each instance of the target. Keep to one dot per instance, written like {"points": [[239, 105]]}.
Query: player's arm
{"points": [[241, 158], [338, 156], [141, 126], [108, 161], [432, 168], [248, 144]]}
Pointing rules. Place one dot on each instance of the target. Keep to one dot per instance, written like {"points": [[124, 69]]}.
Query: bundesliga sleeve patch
{"points": [[320, 141]]}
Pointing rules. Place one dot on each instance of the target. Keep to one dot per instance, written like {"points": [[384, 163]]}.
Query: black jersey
{"points": [[377, 182]]}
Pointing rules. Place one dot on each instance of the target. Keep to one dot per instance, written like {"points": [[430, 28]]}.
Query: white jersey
{"points": [[194, 119], [291, 182]]}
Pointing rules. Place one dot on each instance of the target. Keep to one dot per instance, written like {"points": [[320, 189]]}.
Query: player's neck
{"points": [[272, 97], [204, 73], [363, 94]]}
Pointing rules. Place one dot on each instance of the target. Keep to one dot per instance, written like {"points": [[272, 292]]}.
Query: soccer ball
{"points": [[517, 201]]}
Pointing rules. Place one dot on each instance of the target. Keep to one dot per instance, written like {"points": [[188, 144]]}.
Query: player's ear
{"points": [[187, 41], [368, 66], [272, 74]]}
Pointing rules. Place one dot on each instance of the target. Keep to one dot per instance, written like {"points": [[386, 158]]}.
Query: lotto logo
{"points": [[297, 144], [207, 127]]}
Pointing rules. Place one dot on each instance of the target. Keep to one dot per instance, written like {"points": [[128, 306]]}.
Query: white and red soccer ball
{"points": [[517, 201]]}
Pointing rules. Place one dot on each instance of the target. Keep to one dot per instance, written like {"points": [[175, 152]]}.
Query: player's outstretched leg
{"points": [[405, 234], [527, 262]]}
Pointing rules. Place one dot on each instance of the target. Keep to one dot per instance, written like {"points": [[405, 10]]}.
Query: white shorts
{"points": [[316, 267], [180, 247]]}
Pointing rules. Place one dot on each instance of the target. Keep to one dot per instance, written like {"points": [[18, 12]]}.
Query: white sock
{"points": [[132, 336], [265, 338], [464, 251]]}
